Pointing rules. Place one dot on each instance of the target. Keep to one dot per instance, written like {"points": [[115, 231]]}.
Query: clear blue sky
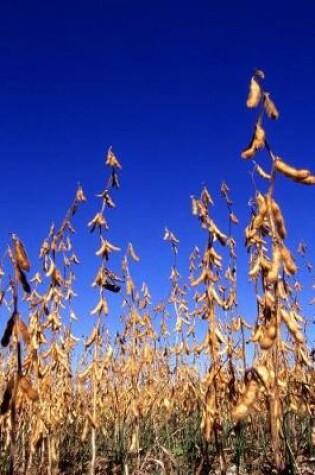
{"points": [[165, 83]]}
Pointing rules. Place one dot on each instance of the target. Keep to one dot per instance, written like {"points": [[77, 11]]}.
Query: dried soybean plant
{"points": [[216, 296], [53, 340], [34, 411], [272, 270], [19, 391], [183, 385], [105, 280]]}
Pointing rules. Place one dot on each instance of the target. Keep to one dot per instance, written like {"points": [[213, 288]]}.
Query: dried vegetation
{"points": [[157, 397]]}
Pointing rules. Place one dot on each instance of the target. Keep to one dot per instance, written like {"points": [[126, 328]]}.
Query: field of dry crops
{"points": [[155, 398]]}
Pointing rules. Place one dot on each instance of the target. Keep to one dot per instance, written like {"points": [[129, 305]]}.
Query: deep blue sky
{"points": [[165, 83]]}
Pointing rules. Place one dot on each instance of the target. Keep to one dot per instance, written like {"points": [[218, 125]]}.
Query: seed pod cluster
{"points": [[258, 221], [248, 398], [294, 328], [278, 218], [268, 334], [257, 142], [26, 387]]}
